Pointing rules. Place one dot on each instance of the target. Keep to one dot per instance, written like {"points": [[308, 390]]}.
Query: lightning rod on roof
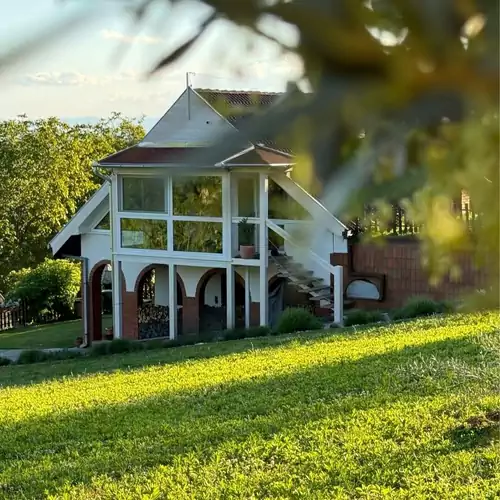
{"points": [[188, 85]]}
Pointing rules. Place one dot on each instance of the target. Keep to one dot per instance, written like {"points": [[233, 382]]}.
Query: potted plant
{"points": [[108, 333], [246, 239]]}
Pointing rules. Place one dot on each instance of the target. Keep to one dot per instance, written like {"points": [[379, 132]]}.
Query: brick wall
{"points": [[399, 260]]}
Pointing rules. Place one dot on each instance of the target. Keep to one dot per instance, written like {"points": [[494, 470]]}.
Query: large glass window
{"points": [[247, 193], [144, 233], [197, 196], [143, 194], [198, 236]]}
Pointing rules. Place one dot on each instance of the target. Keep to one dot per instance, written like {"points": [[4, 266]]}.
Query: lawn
{"points": [[44, 336], [401, 411]]}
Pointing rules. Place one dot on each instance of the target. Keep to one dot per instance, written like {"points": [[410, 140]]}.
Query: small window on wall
{"points": [[104, 224], [143, 194], [144, 233]]}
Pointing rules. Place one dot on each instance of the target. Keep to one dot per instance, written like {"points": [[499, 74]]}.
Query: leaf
{"points": [[182, 49]]}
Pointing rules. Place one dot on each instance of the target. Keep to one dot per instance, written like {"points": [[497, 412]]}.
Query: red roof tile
{"points": [[146, 155], [238, 105]]}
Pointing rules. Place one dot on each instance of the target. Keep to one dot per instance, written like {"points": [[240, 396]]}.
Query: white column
{"points": [[162, 286], [247, 298], [117, 298], [263, 248], [230, 302], [172, 301], [233, 181], [169, 199], [227, 246], [338, 295]]}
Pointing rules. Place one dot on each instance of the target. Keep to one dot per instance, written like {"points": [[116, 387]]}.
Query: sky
{"points": [[100, 65]]}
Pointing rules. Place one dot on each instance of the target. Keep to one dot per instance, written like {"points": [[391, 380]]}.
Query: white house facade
{"points": [[193, 245]]}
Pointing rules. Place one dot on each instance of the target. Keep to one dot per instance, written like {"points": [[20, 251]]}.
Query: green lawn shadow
{"points": [[158, 430]]}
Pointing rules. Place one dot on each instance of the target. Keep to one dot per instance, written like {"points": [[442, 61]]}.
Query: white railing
{"points": [[318, 211], [336, 271]]}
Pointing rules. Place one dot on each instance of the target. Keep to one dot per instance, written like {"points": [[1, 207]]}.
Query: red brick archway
{"points": [[203, 281], [131, 304], [95, 311]]}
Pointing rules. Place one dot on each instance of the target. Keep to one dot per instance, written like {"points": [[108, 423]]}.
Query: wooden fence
{"points": [[20, 316]]}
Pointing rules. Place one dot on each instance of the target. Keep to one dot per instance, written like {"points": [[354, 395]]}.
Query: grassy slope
{"points": [[375, 414], [45, 336]]}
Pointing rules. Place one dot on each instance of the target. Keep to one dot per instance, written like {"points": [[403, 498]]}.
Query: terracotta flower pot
{"points": [[247, 251], [108, 335]]}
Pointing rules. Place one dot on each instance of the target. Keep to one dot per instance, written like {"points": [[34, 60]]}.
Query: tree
{"points": [[45, 176], [51, 286]]}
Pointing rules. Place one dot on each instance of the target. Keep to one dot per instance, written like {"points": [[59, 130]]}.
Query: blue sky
{"points": [[80, 74]]}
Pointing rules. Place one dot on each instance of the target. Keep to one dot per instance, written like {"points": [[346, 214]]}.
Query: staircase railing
{"points": [[335, 271], [318, 211]]}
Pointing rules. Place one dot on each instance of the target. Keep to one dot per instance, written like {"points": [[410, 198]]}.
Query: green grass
{"points": [[378, 413], [45, 336]]}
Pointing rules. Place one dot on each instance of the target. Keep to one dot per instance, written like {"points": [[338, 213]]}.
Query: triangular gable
{"points": [[189, 122], [258, 156], [88, 215]]}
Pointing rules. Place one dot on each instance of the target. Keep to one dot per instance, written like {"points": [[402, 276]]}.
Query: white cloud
{"points": [[74, 78], [123, 38]]}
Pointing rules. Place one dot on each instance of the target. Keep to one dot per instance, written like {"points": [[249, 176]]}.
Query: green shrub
{"points": [[362, 317], [5, 361], [50, 287], [118, 346], [422, 306], [100, 349], [258, 331], [179, 342], [234, 334], [297, 319], [208, 337], [154, 344], [32, 356]]}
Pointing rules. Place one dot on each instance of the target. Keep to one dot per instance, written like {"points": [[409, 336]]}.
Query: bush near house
{"points": [[50, 287], [297, 319], [422, 306], [362, 317]]}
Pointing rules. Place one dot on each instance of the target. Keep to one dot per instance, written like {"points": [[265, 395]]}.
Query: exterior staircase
{"points": [[304, 280]]}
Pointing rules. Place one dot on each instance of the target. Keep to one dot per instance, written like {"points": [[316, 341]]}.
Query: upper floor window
{"points": [[197, 196], [143, 194]]}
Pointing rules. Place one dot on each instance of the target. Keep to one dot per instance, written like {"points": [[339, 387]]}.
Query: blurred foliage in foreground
{"points": [[413, 86]]}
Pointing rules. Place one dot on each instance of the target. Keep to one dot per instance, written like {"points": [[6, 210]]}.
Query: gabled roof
{"points": [[238, 105], [142, 155], [72, 228], [258, 155]]}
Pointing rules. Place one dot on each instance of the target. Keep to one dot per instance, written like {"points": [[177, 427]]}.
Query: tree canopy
{"points": [[45, 176]]}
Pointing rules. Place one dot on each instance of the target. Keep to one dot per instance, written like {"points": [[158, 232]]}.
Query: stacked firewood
{"points": [[150, 312], [153, 321]]}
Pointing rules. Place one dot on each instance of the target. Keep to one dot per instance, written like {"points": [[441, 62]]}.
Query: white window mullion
{"points": [[169, 203]]}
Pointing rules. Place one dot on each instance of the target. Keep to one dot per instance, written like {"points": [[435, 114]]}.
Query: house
{"points": [[212, 242]]}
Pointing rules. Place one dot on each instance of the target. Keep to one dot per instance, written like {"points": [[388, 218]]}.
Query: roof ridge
{"points": [[236, 91]]}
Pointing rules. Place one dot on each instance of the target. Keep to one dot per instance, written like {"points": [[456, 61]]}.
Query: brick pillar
{"points": [[130, 324], [190, 315], [344, 260], [254, 313]]}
